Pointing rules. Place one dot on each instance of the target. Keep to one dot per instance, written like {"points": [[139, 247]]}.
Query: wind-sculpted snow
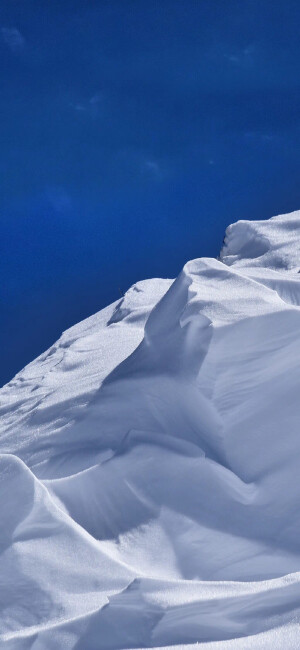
{"points": [[150, 462]]}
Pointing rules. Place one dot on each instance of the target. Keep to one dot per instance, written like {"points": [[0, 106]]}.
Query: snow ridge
{"points": [[149, 464]]}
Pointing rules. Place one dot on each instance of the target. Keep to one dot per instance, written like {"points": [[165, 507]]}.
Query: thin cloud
{"points": [[96, 99], [90, 107], [242, 57], [258, 135], [58, 199], [13, 39], [152, 168], [78, 107]]}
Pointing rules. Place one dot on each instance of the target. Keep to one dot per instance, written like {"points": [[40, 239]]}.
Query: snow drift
{"points": [[150, 460]]}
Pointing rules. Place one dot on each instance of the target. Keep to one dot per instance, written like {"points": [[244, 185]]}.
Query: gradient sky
{"points": [[132, 133]]}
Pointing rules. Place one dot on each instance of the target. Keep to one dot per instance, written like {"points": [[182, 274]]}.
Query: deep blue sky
{"points": [[132, 133]]}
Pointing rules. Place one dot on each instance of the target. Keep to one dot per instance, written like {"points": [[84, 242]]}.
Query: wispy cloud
{"points": [[96, 99], [90, 107], [242, 57], [152, 168], [13, 39], [58, 199], [260, 136], [137, 166], [78, 107]]}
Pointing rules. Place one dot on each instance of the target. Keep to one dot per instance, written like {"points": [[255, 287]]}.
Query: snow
{"points": [[149, 464]]}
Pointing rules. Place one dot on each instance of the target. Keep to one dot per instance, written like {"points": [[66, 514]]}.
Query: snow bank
{"points": [[149, 475]]}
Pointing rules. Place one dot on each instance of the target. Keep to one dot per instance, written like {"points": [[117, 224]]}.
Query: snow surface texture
{"points": [[150, 462]]}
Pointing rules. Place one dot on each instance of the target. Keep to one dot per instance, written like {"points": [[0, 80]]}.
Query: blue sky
{"points": [[132, 134]]}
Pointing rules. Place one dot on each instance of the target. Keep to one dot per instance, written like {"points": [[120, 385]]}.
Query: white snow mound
{"points": [[150, 463]]}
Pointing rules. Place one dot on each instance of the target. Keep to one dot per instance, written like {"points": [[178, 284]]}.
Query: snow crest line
{"points": [[149, 464]]}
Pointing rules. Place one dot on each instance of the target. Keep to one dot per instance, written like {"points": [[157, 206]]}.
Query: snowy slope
{"points": [[150, 462]]}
